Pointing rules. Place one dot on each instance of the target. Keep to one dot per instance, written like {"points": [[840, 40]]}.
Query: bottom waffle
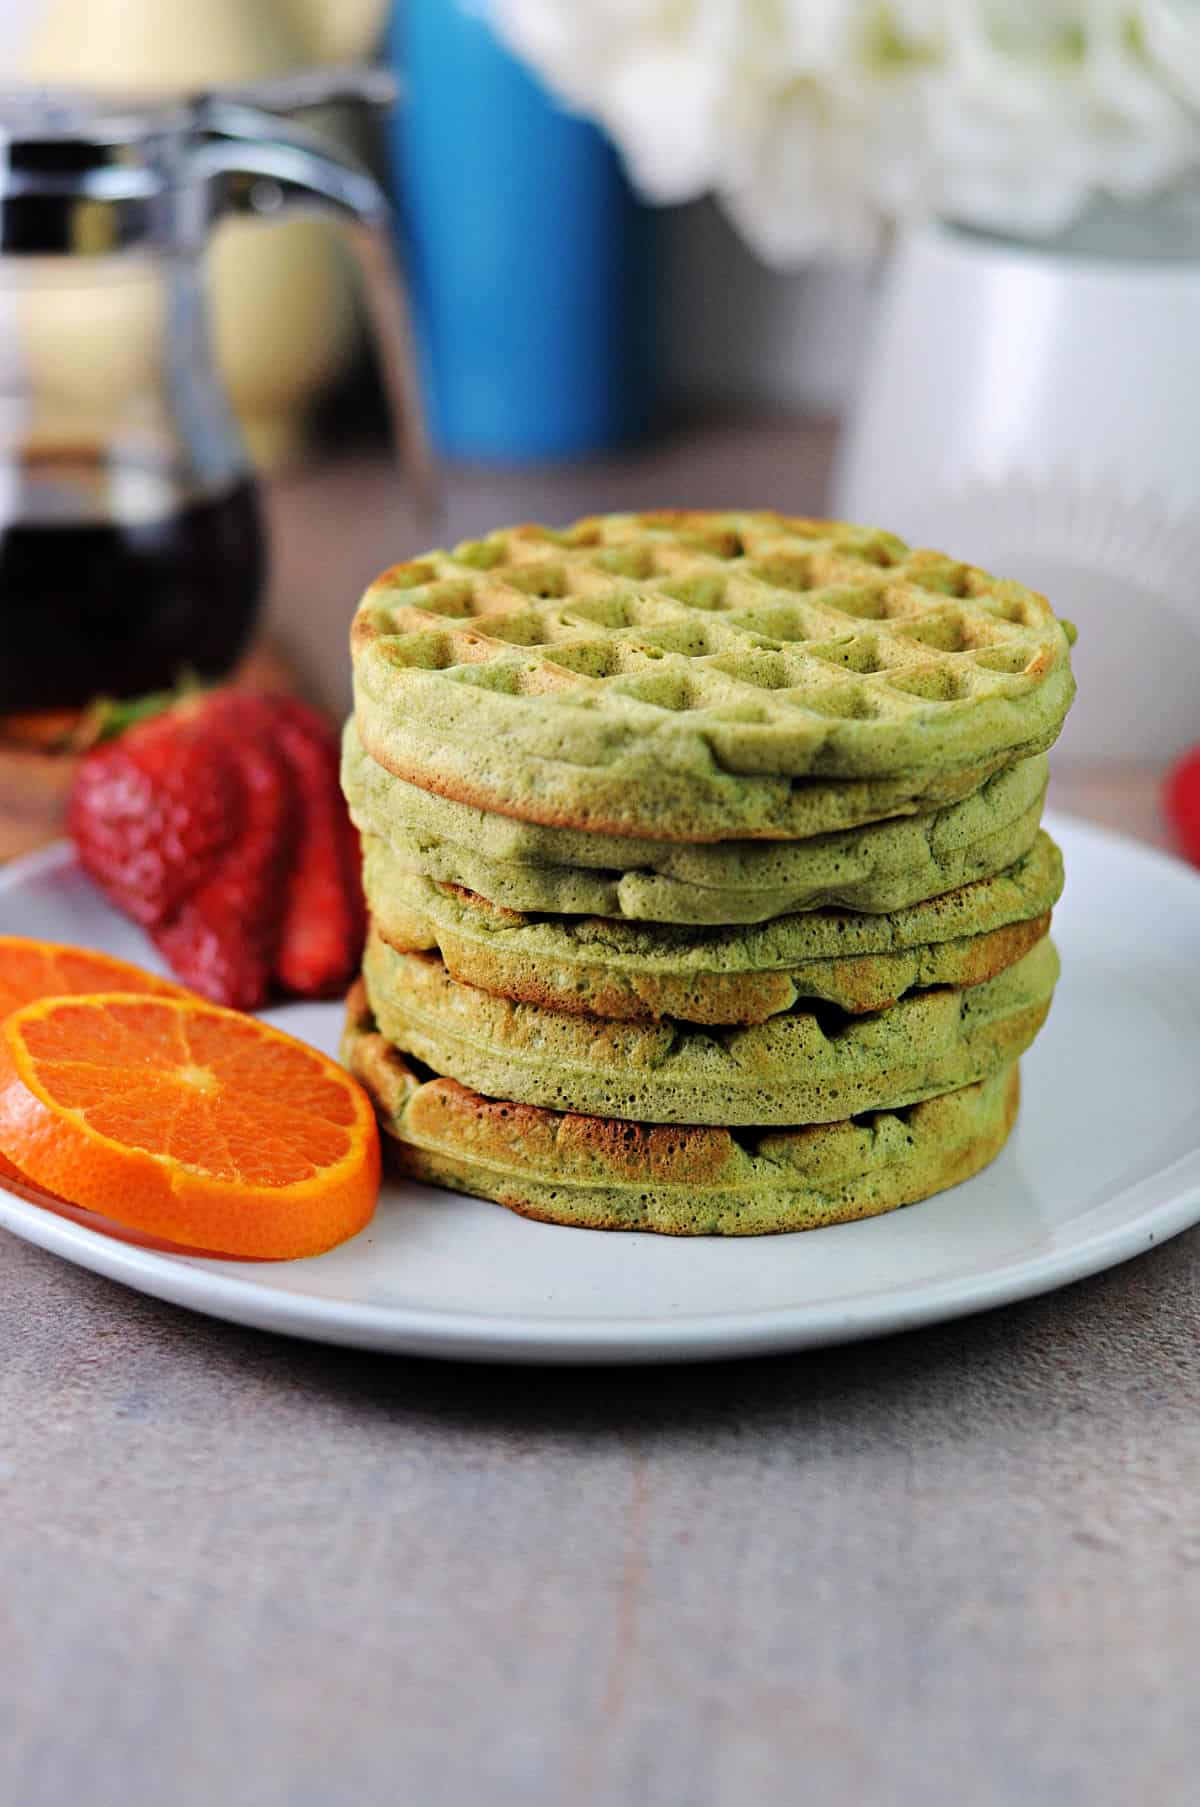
{"points": [[603, 1174]]}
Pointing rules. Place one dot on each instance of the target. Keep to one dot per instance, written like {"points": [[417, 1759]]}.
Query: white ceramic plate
{"points": [[1105, 1162]]}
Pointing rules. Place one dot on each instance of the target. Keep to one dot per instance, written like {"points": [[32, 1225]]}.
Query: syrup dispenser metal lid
{"points": [[89, 175], [86, 174]]}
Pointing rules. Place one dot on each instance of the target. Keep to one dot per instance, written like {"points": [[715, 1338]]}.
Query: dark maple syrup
{"points": [[107, 590]]}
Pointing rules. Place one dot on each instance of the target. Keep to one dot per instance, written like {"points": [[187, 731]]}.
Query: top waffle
{"points": [[673, 675]]}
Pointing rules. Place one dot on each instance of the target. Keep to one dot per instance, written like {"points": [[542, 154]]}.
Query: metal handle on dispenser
{"points": [[251, 161]]}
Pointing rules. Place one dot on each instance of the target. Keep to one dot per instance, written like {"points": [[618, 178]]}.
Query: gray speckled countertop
{"points": [[959, 1566]]}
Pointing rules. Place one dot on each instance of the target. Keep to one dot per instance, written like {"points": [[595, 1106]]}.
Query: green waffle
{"points": [[806, 1065], [885, 866], [722, 976], [688, 676], [601, 1174]]}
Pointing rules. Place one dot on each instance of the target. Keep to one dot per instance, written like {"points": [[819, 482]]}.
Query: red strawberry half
{"points": [[1181, 800], [223, 940], [151, 812], [325, 922]]}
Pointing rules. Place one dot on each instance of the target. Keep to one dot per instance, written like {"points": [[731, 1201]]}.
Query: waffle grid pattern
{"points": [[749, 619]]}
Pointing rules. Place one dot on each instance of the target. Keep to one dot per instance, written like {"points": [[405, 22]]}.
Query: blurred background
{"points": [[932, 264]]}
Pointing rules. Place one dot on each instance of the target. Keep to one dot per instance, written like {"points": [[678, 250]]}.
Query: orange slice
{"points": [[189, 1122], [47, 969]]}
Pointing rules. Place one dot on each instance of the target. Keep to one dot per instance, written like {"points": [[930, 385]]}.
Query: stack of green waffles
{"points": [[704, 861]]}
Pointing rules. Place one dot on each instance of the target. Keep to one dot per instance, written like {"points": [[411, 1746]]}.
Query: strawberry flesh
{"points": [[325, 918], [223, 940]]}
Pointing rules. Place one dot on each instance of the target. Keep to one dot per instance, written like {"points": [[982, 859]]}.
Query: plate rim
{"points": [[519, 1339]]}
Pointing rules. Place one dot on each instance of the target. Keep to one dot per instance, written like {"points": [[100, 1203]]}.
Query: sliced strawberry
{"points": [[219, 824], [152, 812], [223, 941], [1181, 800], [326, 920]]}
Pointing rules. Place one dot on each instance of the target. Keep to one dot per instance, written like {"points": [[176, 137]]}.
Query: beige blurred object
{"points": [[100, 373], [284, 309], [339, 31], [285, 322]]}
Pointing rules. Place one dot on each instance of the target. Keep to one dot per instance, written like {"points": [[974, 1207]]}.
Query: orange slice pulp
{"points": [[45, 969], [186, 1121]]}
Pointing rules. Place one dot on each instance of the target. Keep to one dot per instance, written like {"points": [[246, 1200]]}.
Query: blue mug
{"points": [[526, 248]]}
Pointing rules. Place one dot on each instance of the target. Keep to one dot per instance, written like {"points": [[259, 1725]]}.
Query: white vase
{"points": [[1037, 411]]}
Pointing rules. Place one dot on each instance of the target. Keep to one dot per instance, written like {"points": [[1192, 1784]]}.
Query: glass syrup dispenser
{"points": [[131, 539]]}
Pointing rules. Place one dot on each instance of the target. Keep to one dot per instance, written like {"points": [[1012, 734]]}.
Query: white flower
{"points": [[1171, 29], [1029, 124], [818, 121], [655, 74]]}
